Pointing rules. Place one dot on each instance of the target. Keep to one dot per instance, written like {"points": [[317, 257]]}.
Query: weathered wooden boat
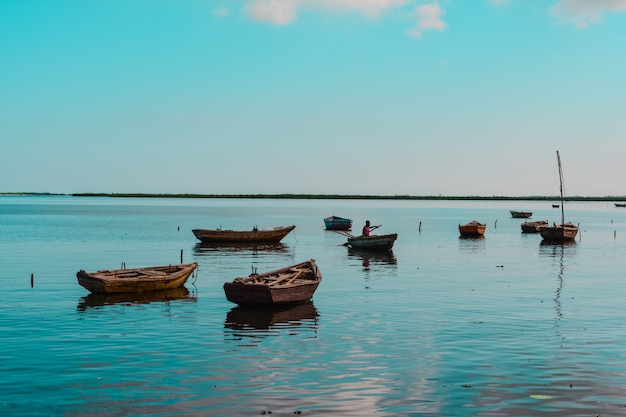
{"points": [[559, 233], [564, 232], [153, 278], [472, 229], [290, 285], [274, 234], [337, 223], [533, 227], [521, 214], [372, 242]]}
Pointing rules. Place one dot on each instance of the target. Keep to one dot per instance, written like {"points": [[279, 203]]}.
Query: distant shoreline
{"points": [[325, 196]]}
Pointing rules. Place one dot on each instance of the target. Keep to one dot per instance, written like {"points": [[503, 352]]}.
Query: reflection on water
{"points": [[203, 249], [265, 318], [472, 244], [371, 257], [165, 296]]}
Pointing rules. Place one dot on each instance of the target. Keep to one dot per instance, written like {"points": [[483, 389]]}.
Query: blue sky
{"points": [[455, 97]]}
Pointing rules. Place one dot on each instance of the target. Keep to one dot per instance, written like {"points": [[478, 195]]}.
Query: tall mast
{"points": [[558, 158]]}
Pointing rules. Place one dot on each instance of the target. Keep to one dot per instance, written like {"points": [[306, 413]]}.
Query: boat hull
{"points": [[337, 223], [472, 229], [263, 289], [136, 280], [558, 233], [376, 242], [521, 214], [275, 234], [533, 227]]}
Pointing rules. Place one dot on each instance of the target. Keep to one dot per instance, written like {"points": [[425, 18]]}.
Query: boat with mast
{"points": [[564, 232]]}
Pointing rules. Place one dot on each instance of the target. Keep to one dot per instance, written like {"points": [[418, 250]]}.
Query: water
{"points": [[500, 326]]}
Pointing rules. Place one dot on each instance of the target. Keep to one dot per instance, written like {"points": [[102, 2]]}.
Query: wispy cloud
{"points": [[429, 17], [284, 12], [220, 12], [583, 13], [278, 12]]}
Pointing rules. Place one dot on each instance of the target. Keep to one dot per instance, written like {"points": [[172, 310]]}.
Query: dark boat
{"points": [[152, 278], [620, 204], [274, 234], [337, 223], [290, 285], [564, 232], [533, 227], [472, 229], [521, 214], [373, 242]]}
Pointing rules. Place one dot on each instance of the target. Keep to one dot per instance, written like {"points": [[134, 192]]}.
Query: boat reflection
{"points": [[373, 257], [264, 318], [201, 249], [165, 296], [472, 244]]}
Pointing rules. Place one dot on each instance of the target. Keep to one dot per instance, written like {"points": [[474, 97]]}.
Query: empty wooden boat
{"points": [[533, 227], [290, 285], [153, 278], [472, 229], [373, 242], [521, 214], [337, 223], [274, 234]]}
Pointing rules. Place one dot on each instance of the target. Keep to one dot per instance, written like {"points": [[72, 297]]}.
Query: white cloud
{"points": [[220, 12], [279, 12], [283, 12], [582, 13], [429, 17]]}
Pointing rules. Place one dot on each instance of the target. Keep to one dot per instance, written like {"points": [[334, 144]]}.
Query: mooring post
{"points": [[32, 280], [181, 256]]}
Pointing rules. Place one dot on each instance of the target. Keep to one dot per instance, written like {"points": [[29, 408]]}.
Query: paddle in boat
{"points": [[564, 232], [290, 285], [274, 234], [152, 278], [472, 229], [370, 242]]}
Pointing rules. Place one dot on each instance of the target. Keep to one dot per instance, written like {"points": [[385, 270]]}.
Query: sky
{"points": [[376, 97]]}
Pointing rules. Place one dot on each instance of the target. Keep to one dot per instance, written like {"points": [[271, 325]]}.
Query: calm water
{"points": [[500, 326]]}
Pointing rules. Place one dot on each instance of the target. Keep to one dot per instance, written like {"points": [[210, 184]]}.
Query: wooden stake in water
{"points": [[32, 280]]}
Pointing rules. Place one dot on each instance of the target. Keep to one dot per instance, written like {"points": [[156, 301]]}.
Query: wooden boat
{"points": [[337, 223], [564, 232], [472, 229], [521, 214], [290, 285], [620, 204], [153, 278], [533, 227], [243, 236], [372, 242]]}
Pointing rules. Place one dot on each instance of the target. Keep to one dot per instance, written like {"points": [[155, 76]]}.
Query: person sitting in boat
{"points": [[367, 228]]}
